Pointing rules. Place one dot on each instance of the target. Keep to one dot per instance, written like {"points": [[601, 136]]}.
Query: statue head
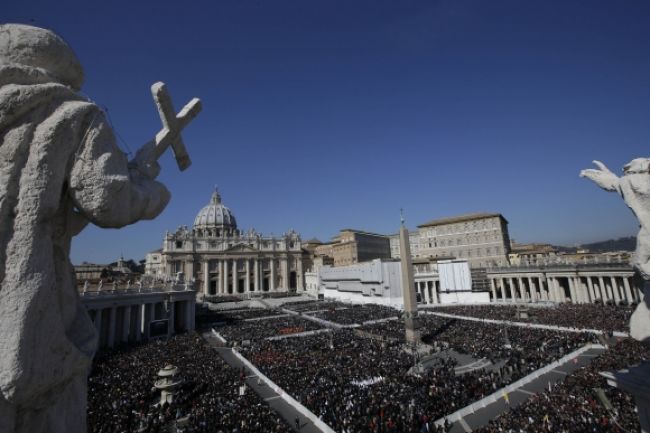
{"points": [[40, 48], [637, 166]]}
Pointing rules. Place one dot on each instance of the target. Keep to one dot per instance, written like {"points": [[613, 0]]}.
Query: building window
{"points": [[179, 244]]}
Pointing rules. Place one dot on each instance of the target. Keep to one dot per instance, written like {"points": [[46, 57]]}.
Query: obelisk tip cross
{"points": [[173, 124]]}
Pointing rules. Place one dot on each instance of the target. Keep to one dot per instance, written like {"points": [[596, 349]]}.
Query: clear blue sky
{"points": [[320, 115]]}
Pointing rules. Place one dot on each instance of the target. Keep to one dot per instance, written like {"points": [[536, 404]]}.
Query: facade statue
{"points": [[634, 188], [60, 168]]}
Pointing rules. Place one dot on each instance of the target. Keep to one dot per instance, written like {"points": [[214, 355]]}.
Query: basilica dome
{"points": [[215, 214]]}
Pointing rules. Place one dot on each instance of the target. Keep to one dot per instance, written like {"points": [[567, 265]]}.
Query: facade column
{"points": [[206, 277], [522, 289], [226, 273], [272, 282], [628, 293], [256, 275], [138, 322], [502, 283], [111, 327], [284, 270], [300, 275], [126, 324], [614, 284], [247, 284], [220, 277], [493, 289], [235, 276]]}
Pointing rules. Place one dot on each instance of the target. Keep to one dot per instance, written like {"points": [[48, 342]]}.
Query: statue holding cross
{"points": [[60, 168]]}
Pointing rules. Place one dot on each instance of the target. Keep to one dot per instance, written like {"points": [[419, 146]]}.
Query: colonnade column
{"points": [[126, 324], [617, 296], [590, 287], [272, 283], [138, 323], [146, 319], [533, 289], [502, 283], [603, 290], [98, 323], [572, 290], [172, 318], [427, 292], [111, 327], [628, 292]]}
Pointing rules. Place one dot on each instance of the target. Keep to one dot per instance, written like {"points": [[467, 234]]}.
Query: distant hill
{"points": [[620, 244]]}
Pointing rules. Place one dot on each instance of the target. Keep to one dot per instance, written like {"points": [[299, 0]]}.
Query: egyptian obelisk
{"points": [[408, 287]]}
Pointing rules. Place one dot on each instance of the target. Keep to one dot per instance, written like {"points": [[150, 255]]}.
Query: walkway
{"points": [[483, 415], [273, 398]]}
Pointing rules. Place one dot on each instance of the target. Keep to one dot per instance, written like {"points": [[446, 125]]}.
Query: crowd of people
{"points": [[122, 399], [582, 402], [363, 379], [356, 314], [604, 317], [303, 306], [238, 332]]}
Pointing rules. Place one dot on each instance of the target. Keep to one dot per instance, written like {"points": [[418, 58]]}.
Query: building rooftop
{"points": [[462, 218], [361, 232]]}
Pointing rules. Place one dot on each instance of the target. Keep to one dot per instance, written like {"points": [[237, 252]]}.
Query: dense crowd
{"points": [[579, 404], [366, 384], [517, 350], [251, 313], [606, 318], [122, 399], [238, 331], [303, 306], [357, 314]]}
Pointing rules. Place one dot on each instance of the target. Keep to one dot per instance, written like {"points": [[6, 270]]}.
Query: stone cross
{"points": [[173, 124]]}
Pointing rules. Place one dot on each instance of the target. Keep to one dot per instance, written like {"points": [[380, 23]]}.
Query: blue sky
{"points": [[320, 115]]}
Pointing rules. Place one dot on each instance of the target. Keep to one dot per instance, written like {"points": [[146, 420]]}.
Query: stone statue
{"points": [[60, 168], [634, 188], [100, 285]]}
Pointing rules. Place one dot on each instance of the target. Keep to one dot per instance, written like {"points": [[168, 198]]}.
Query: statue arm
{"points": [[107, 189], [602, 176]]}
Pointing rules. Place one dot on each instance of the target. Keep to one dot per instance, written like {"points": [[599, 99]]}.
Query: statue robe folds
{"points": [[59, 168]]}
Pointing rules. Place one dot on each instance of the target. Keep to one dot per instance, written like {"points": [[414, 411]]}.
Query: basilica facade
{"points": [[224, 260]]}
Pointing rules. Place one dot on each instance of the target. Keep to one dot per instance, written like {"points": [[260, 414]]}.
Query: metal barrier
{"points": [[500, 393]]}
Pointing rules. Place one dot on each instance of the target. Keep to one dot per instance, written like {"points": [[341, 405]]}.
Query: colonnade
{"points": [[244, 275], [125, 321], [561, 287]]}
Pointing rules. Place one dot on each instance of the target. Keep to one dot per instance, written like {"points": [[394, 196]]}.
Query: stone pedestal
{"points": [[635, 381]]}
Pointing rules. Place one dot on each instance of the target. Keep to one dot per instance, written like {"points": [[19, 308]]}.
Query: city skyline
{"points": [[330, 115]]}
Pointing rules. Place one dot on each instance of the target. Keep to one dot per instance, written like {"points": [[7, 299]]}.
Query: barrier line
{"points": [[498, 394], [286, 397]]}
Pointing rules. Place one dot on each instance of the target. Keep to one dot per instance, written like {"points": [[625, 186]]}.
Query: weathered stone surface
{"points": [[60, 168], [634, 188]]}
